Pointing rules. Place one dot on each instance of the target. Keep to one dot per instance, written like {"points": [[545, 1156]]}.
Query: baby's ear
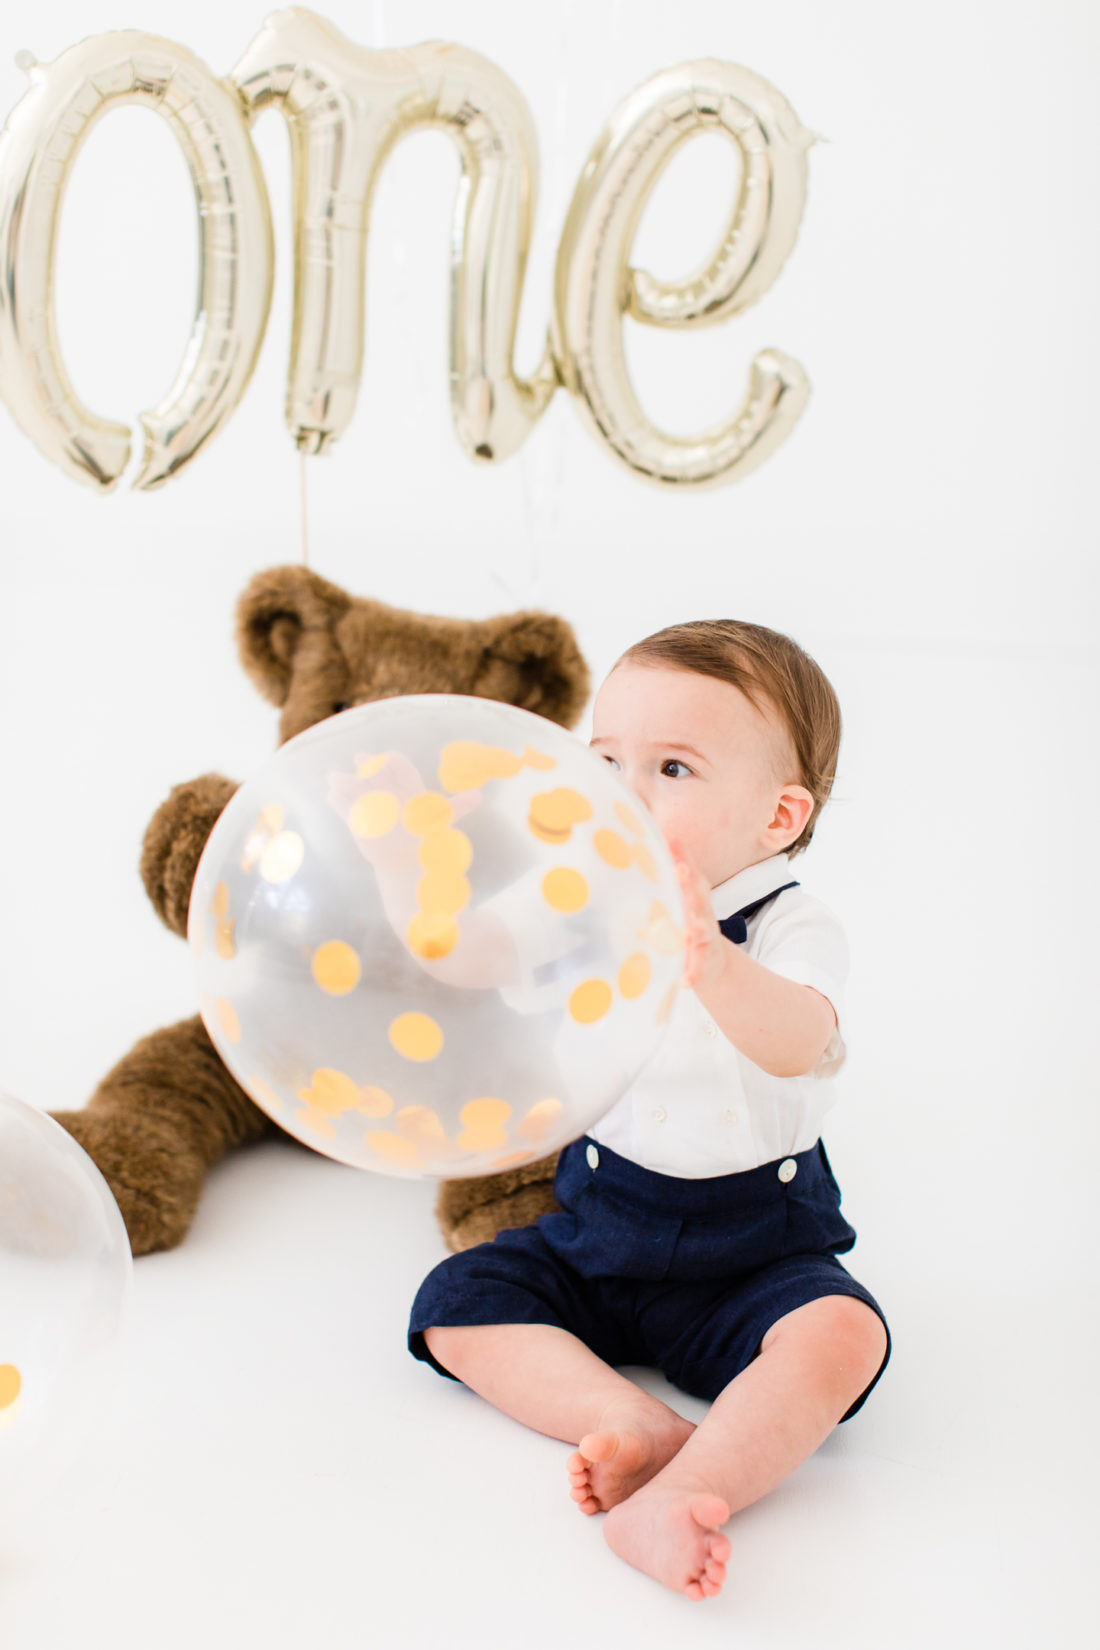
{"points": [[276, 610], [532, 660]]}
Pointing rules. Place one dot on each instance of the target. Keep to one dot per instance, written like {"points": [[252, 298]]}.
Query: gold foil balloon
{"points": [[37, 148], [65, 1282], [346, 106], [595, 284], [436, 936]]}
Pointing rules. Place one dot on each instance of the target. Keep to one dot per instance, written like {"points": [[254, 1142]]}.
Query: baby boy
{"points": [[700, 1221]]}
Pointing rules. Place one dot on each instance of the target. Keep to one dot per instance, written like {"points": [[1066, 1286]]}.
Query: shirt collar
{"points": [[753, 883]]}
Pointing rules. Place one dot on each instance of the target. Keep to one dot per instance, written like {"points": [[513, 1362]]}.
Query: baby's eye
{"points": [[672, 762], [612, 761]]}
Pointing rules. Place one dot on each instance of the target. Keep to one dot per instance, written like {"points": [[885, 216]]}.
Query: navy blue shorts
{"points": [[652, 1269]]}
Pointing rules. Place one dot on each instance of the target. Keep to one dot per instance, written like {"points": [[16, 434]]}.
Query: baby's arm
{"points": [[480, 952], [781, 1026]]}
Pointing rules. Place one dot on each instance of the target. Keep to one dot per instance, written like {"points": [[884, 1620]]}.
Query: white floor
{"points": [[283, 1474]]}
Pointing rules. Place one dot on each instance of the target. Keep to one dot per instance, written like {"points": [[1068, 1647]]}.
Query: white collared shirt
{"points": [[700, 1107]]}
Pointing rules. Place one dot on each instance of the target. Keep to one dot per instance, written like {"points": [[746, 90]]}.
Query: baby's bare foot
{"points": [[673, 1534], [633, 1442]]}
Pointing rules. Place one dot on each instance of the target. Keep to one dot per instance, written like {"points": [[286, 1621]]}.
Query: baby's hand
{"points": [[372, 800], [704, 945]]}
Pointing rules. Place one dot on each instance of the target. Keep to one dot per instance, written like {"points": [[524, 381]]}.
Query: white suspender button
{"points": [[787, 1169], [593, 1157]]}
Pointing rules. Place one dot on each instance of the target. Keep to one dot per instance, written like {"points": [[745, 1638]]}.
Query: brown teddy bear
{"points": [[169, 1109]]}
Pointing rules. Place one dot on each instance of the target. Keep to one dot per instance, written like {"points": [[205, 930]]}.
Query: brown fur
{"points": [[169, 1109]]}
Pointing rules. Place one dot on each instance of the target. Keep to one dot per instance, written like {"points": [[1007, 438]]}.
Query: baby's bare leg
{"points": [[813, 1365], [553, 1383]]}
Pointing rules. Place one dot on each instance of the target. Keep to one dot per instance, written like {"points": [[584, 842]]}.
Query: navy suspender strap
{"points": [[735, 928]]}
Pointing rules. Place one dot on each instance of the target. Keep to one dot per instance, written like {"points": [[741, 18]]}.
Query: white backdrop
{"points": [[926, 533]]}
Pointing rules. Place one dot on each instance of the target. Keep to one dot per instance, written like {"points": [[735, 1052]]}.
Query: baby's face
{"points": [[716, 773]]}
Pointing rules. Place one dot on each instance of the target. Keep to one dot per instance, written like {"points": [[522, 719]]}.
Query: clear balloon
{"points": [[595, 284], [37, 149], [436, 936], [65, 1283]]}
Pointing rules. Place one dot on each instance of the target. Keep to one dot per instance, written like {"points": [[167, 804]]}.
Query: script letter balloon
{"points": [[346, 106], [37, 149], [595, 284]]}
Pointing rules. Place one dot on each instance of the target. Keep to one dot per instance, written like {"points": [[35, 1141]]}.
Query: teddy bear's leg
{"points": [[157, 1122], [474, 1211]]}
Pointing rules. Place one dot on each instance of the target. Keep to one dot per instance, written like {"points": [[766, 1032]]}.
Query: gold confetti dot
{"points": [[422, 1125], [421, 813], [432, 934], [331, 1092], [464, 765], [590, 1001], [374, 814], [336, 968], [220, 903], [634, 975], [553, 814], [370, 765], [227, 1019], [484, 1122], [443, 891], [282, 856], [223, 941], [316, 1122], [564, 889], [271, 818], [445, 850], [612, 849], [539, 1120], [11, 1383], [416, 1036], [394, 1148], [666, 1004], [264, 1095], [538, 759], [645, 862], [374, 1102], [478, 1114], [665, 936], [629, 818]]}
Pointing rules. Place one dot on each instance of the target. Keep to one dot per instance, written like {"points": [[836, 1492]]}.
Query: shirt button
{"points": [[729, 1116], [787, 1169], [593, 1157], [710, 1028], [659, 1114]]}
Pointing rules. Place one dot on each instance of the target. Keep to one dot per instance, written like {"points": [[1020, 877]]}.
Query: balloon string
{"points": [[305, 512]]}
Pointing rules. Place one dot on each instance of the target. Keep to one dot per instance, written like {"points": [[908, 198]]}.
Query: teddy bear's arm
{"points": [[174, 841], [474, 1211]]}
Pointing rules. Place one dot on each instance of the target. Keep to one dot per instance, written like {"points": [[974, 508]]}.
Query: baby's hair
{"points": [[761, 663]]}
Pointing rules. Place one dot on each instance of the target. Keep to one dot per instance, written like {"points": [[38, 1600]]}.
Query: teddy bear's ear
{"points": [[532, 660], [277, 609]]}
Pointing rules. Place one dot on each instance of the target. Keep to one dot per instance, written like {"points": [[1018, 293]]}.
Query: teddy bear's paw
{"points": [[156, 1179], [174, 841], [482, 1223]]}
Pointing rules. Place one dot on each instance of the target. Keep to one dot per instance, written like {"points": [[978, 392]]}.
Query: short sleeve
{"points": [[801, 939]]}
